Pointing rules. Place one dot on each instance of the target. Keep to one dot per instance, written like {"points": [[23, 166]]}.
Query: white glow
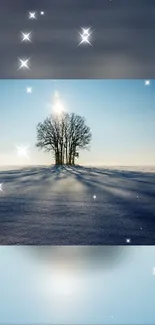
{"points": [[85, 36], [147, 82], [84, 39], [22, 151], [24, 63], [29, 90], [58, 107], [63, 284], [63, 280], [1, 187], [32, 15], [86, 31], [26, 36], [42, 12]]}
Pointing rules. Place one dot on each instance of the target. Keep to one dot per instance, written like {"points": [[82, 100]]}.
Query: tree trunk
{"points": [[70, 158], [66, 153], [73, 157]]}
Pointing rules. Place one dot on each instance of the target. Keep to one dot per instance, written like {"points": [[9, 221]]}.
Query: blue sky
{"points": [[122, 293], [120, 114]]}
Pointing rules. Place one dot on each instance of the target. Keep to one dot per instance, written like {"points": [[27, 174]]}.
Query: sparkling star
{"points": [[128, 240], [32, 15], [85, 39], [94, 197], [29, 90], [22, 151], [85, 36], [147, 82], [86, 31], [26, 37], [42, 12], [1, 187], [24, 64]]}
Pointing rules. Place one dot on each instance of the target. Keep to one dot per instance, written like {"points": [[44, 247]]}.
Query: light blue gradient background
{"points": [[124, 290], [121, 114]]}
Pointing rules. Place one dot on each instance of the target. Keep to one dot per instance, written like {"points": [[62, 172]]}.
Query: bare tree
{"points": [[63, 135], [80, 135]]}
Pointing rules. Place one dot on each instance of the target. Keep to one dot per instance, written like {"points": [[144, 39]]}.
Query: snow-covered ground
{"points": [[77, 205]]}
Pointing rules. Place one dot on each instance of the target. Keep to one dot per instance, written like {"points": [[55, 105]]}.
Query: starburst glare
{"points": [[85, 36], [22, 151], [26, 37], [42, 12], [32, 15], [24, 63], [128, 240], [86, 31], [147, 82], [29, 90]]}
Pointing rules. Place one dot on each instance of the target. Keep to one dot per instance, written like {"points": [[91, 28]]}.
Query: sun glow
{"points": [[58, 106], [22, 151], [61, 283]]}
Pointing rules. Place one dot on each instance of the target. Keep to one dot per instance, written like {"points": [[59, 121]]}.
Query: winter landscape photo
{"points": [[77, 162]]}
